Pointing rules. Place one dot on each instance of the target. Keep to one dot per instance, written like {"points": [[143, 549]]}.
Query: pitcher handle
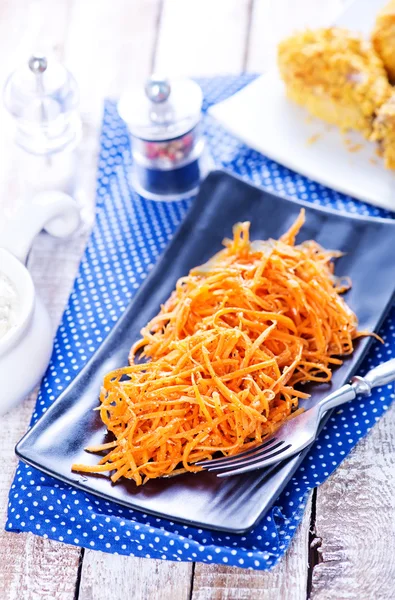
{"points": [[54, 211]]}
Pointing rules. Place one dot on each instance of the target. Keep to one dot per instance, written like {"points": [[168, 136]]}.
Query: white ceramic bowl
{"points": [[26, 348]]}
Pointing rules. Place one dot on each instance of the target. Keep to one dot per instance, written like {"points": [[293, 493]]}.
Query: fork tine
{"points": [[275, 457], [228, 459], [240, 461]]}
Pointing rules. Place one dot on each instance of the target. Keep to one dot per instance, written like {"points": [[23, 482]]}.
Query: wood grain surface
{"points": [[286, 581], [350, 520], [203, 37], [355, 522], [32, 568], [134, 578]]}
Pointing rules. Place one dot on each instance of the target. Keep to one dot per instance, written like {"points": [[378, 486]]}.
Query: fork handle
{"points": [[344, 394], [380, 375]]}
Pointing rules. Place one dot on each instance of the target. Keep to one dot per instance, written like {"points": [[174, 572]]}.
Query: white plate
{"points": [[262, 117]]}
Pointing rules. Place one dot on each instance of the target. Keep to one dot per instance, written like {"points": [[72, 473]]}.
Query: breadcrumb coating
{"points": [[383, 38], [336, 75], [384, 132]]}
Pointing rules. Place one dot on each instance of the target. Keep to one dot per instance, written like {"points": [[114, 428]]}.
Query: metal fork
{"points": [[301, 431]]}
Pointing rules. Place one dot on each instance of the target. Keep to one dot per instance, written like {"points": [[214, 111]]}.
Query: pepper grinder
{"points": [[163, 119], [42, 97]]}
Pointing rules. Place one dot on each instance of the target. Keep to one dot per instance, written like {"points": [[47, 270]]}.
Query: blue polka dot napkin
{"points": [[129, 235]]}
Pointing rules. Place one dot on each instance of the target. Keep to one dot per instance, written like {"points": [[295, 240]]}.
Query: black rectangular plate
{"points": [[57, 440]]}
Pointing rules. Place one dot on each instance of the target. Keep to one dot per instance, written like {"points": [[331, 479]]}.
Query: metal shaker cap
{"points": [[162, 109]]}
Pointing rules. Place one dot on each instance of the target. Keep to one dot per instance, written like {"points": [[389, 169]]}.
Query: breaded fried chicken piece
{"points": [[383, 38], [336, 75], [384, 132]]}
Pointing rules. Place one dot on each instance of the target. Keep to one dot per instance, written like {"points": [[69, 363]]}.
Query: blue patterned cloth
{"points": [[129, 235]]}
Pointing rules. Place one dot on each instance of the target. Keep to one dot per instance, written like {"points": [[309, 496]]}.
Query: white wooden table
{"points": [[345, 546]]}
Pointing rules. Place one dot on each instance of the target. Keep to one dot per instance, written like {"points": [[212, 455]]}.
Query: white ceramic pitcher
{"points": [[26, 348]]}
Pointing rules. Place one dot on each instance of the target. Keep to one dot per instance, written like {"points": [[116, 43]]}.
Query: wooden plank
{"points": [[203, 37], [122, 36], [30, 567], [33, 567], [110, 45], [287, 580], [140, 578], [24, 29], [356, 503], [135, 578], [355, 525], [273, 21]]}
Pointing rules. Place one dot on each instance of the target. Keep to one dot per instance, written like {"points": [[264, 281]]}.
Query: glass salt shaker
{"points": [[163, 119], [42, 97]]}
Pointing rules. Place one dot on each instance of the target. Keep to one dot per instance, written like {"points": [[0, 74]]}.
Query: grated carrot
{"points": [[216, 369]]}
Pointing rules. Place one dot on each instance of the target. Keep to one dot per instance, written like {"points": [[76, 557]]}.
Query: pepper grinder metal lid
{"points": [[43, 98], [162, 109]]}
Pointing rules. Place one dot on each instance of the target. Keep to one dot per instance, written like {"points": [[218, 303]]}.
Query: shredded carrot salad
{"points": [[215, 370]]}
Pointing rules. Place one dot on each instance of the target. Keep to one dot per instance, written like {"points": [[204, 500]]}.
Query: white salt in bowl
{"points": [[25, 349]]}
